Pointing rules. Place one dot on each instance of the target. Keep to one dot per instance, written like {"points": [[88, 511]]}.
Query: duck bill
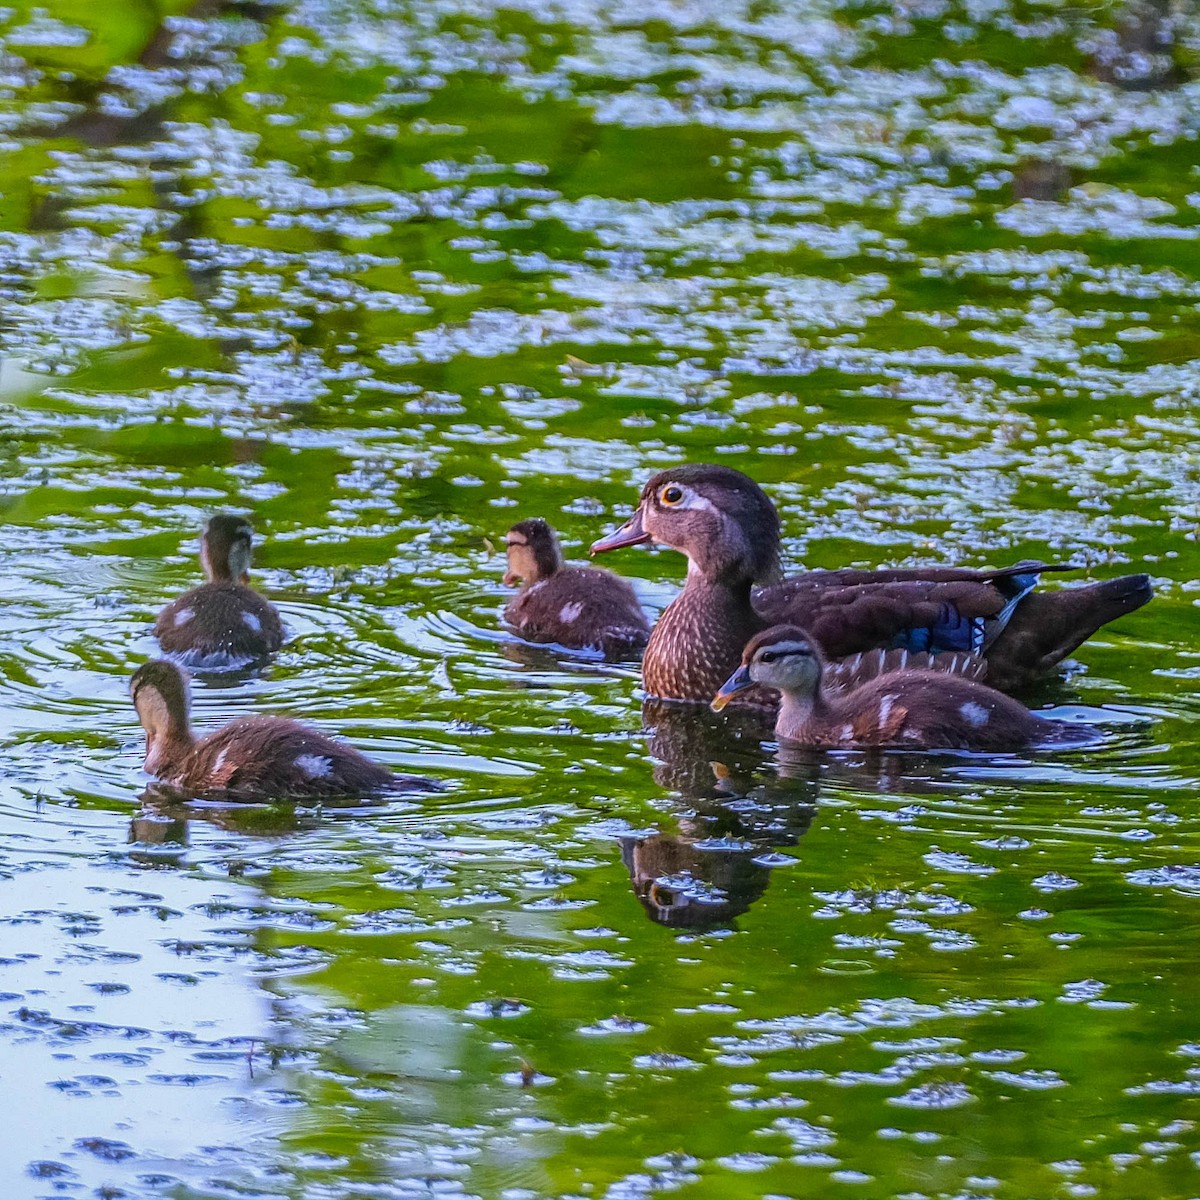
{"points": [[739, 681], [632, 533]]}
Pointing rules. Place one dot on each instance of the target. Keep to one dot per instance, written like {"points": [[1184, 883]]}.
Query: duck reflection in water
{"points": [[684, 741], [156, 838], [735, 823], [684, 886], [160, 831]]}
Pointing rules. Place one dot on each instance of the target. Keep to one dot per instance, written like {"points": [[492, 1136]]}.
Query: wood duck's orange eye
{"points": [[671, 494]]}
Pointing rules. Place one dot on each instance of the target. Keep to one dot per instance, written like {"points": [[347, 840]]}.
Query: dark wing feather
{"points": [[923, 616], [857, 576], [934, 611]]}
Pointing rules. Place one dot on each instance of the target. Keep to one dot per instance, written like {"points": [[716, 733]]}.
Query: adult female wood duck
{"points": [[914, 710], [223, 623], [729, 530], [574, 606], [251, 758]]}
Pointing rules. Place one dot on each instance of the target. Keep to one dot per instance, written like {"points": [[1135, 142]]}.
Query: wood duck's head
{"points": [[225, 548], [533, 552], [721, 519], [783, 657], [159, 691]]}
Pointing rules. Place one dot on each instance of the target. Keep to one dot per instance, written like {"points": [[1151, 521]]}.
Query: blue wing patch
{"points": [[953, 631]]}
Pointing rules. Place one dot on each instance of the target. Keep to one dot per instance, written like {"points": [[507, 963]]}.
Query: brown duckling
{"points": [[251, 758], [578, 607], [729, 530], [223, 623], [913, 710]]}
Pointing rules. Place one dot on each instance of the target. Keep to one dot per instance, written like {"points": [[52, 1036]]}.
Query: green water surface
{"points": [[387, 276]]}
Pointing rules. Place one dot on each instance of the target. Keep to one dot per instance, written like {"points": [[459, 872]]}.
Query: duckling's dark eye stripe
{"points": [[778, 652]]}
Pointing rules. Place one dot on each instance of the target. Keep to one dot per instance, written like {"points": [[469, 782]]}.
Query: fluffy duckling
{"points": [[251, 758], [223, 623], [574, 606], [729, 530], [912, 710]]}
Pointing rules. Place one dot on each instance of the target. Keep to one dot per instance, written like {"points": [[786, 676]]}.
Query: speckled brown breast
{"points": [[698, 641]]}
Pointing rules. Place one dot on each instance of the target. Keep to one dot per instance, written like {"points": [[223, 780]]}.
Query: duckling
{"points": [[251, 758], [578, 607], [914, 710], [729, 530], [223, 623]]}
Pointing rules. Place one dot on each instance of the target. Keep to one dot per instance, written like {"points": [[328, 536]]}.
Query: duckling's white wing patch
{"points": [[975, 714], [314, 766], [570, 612], [893, 716], [183, 616], [251, 620]]}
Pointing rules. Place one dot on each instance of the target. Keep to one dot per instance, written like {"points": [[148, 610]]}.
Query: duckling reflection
{"points": [[546, 664], [155, 838], [150, 828], [685, 740], [885, 772], [1148, 51], [164, 821]]}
